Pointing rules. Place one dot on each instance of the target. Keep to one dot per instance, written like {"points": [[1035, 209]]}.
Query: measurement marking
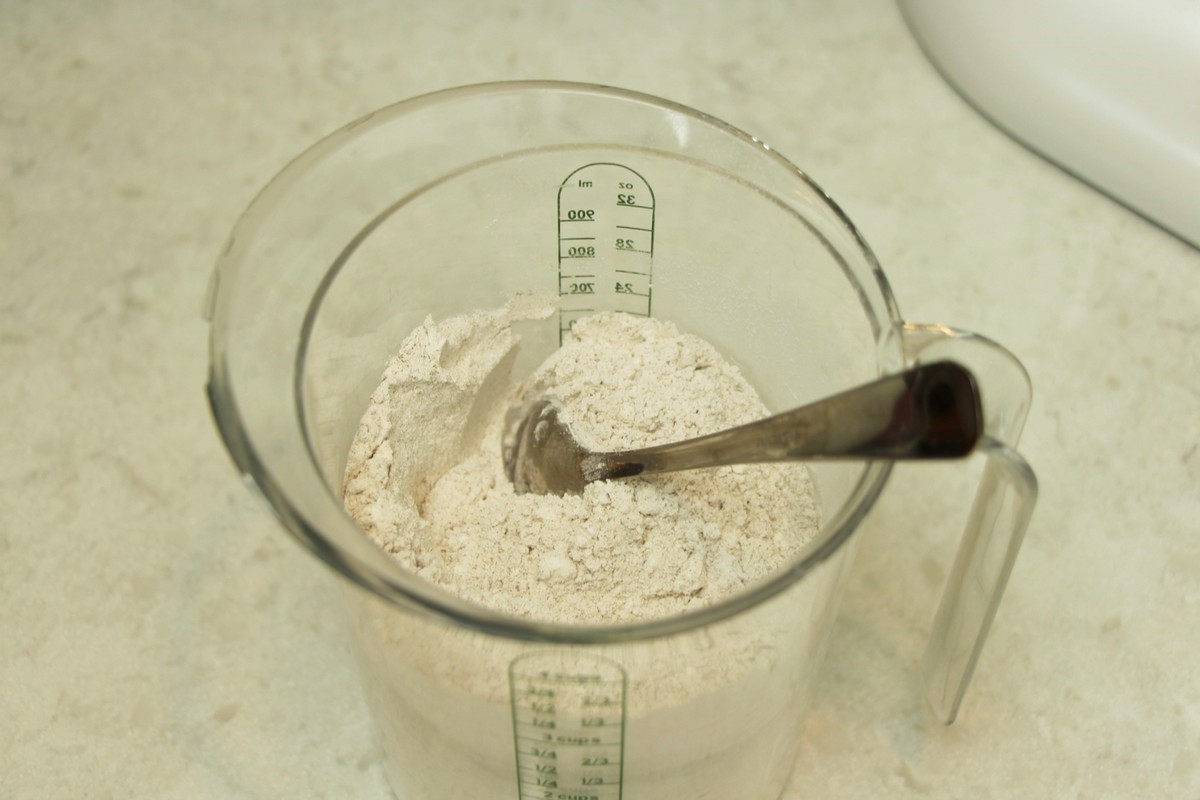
{"points": [[555, 743], [566, 742], [565, 733], [540, 754], [567, 765], [583, 197], [571, 680]]}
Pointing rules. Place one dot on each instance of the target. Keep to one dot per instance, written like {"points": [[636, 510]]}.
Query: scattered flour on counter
{"points": [[425, 476]]}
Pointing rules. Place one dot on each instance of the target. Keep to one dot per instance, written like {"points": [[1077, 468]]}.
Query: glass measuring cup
{"points": [[455, 201]]}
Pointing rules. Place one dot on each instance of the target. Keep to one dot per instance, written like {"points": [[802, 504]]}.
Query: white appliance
{"points": [[1107, 89]]}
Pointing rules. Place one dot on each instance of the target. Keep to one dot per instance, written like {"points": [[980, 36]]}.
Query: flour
{"points": [[426, 478], [706, 712]]}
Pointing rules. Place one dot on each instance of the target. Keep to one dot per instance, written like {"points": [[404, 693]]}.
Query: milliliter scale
{"points": [[605, 242]]}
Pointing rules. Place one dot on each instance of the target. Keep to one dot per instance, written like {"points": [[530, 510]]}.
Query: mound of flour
{"points": [[426, 480]]}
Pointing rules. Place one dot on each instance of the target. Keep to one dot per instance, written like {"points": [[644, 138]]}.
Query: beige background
{"points": [[160, 637]]}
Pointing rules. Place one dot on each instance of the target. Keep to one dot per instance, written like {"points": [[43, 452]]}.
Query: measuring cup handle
{"points": [[1003, 505]]}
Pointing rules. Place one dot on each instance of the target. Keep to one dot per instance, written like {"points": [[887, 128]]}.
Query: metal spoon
{"points": [[930, 411]]}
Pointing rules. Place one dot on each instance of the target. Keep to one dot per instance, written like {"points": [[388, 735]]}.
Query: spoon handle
{"points": [[930, 411]]}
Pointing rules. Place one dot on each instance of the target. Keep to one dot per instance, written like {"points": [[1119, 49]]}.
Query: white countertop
{"points": [[161, 637]]}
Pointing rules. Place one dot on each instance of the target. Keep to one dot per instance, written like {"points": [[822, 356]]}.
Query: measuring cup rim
{"points": [[374, 570]]}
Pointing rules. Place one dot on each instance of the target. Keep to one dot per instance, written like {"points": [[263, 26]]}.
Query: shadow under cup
{"points": [[455, 202]]}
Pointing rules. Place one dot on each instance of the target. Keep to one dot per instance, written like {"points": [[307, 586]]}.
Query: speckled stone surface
{"points": [[160, 637]]}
